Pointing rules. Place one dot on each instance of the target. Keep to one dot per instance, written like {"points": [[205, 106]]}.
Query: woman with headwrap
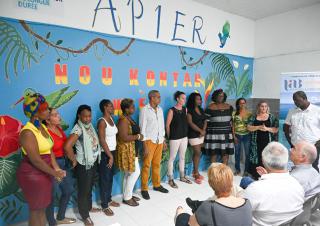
{"points": [[38, 165], [84, 139]]}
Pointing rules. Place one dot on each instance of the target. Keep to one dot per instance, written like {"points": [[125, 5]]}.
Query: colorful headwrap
{"points": [[33, 103]]}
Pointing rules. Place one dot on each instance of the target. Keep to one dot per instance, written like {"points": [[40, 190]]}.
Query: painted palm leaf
{"points": [[243, 80], [9, 210], [248, 89], [221, 65], [8, 183], [59, 98], [54, 97], [65, 98], [231, 86], [18, 53]]}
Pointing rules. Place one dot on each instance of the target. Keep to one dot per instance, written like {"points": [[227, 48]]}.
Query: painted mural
{"points": [[72, 67]]}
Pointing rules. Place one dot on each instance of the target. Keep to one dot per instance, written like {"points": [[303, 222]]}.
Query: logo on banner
{"points": [[39, 4], [292, 84]]}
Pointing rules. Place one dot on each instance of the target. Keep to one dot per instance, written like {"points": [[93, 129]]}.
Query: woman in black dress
{"points": [[196, 131], [263, 127], [219, 134]]}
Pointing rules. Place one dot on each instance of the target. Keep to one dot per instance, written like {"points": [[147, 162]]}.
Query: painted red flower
{"points": [[9, 135]]}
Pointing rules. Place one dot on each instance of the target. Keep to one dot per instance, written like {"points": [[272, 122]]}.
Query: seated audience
{"points": [[236, 191], [303, 156], [218, 212], [277, 197]]}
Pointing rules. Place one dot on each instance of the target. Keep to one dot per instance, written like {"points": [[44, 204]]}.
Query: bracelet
{"points": [[139, 136]]}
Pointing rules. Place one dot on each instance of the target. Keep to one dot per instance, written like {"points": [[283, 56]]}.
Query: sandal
{"points": [[131, 202], [95, 210], [108, 211], [197, 179], [114, 204], [172, 183], [185, 180], [135, 198], [197, 175]]}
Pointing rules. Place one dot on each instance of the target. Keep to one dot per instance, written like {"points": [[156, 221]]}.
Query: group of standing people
{"points": [[47, 151]]}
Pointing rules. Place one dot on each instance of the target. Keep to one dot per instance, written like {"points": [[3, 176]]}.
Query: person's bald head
{"points": [[303, 153]]}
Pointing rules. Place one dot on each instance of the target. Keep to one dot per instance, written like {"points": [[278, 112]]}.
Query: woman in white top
{"points": [[107, 131]]}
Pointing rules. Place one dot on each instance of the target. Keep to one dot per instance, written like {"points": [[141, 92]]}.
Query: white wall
{"points": [[289, 42], [81, 13]]}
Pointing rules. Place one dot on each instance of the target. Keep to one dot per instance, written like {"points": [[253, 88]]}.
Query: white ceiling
{"points": [[257, 9]]}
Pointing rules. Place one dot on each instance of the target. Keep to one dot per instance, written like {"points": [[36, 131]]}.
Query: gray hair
{"points": [[308, 150], [152, 93], [275, 156]]}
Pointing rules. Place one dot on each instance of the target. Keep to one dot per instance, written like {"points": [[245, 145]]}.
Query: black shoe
{"points": [[193, 204], [160, 189], [145, 195]]}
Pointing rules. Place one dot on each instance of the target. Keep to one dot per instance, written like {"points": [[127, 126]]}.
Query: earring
{"points": [[36, 123]]}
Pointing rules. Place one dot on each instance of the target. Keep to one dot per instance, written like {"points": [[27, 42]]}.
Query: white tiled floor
{"points": [[158, 211]]}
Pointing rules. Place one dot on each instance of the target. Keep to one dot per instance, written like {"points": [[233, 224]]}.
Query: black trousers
{"points": [[85, 180], [315, 163], [105, 179], [182, 219]]}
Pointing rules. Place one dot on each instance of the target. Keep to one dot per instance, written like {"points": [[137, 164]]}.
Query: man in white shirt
{"points": [[303, 155], [151, 123], [277, 197], [303, 123]]}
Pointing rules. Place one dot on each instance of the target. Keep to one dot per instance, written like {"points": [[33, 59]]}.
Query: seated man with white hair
{"points": [[277, 197], [303, 154]]}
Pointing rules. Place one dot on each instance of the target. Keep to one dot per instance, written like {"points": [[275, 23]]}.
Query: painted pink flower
{"points": [[9, 135]]}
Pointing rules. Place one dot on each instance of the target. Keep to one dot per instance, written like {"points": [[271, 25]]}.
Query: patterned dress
{"points": [[219, 137], [126, 151], [259, 140]]}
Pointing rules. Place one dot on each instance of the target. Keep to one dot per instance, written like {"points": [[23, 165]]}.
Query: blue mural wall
{"points": [[72, 67]]}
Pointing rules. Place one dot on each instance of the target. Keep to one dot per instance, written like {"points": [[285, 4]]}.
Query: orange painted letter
{"points": [[61, 74]]}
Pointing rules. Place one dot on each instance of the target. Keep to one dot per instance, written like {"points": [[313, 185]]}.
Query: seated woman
{"points": [[225, 210]]}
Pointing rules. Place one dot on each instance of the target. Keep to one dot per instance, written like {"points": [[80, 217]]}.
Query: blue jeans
{"points": [[245, 140], [245, 182], [66, 187], [105, 179]]}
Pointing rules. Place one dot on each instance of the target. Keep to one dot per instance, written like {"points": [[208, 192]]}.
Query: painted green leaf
{"points": [[221, 65], [48, 35], [59, 42], [9, 211], [248, 89], [54, 97], [11, 41], [17, 213], [231, 86], [8, 168], [64, 125], [36, 45], [184, 68], [65, 98], [242, 82], [19, 195]]}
